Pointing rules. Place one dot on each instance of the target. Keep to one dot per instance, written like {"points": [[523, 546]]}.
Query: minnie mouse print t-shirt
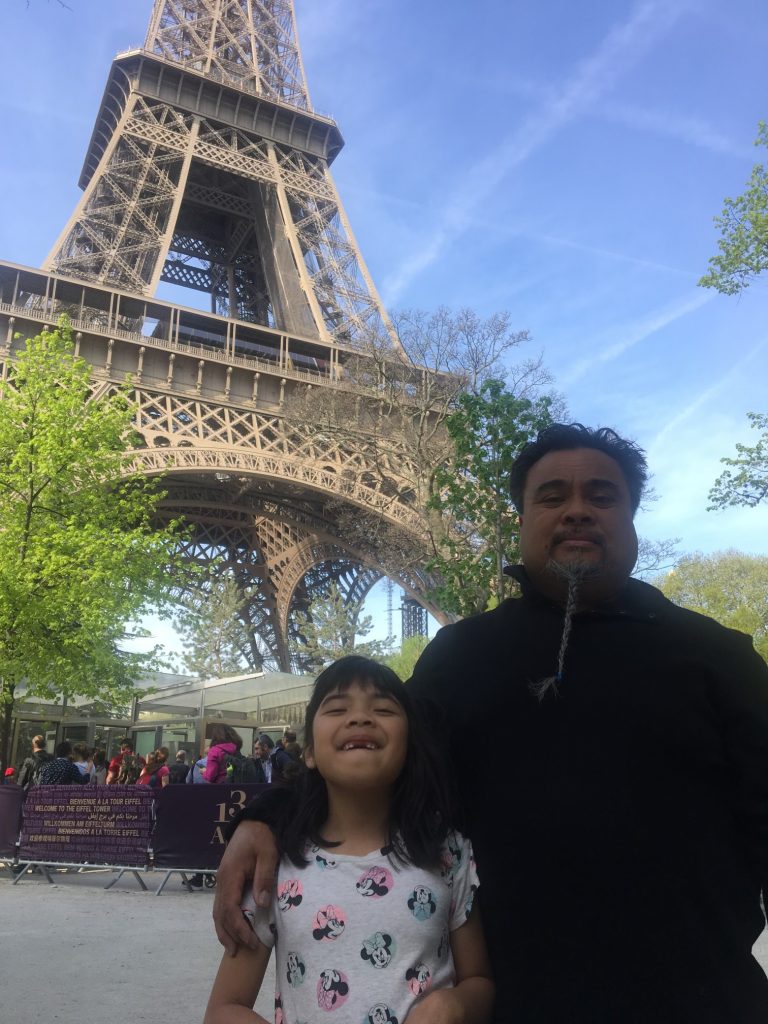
{"points": [[361, 939]]}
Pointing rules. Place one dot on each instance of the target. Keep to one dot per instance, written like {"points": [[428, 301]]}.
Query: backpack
{"points": [[130, 770], [30, 770], [280, 761], [242, 770], [178, 772]]}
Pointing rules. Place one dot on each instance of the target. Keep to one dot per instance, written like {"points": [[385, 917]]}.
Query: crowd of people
{"points": [[70, 764], [77, 764], [269, 762]]}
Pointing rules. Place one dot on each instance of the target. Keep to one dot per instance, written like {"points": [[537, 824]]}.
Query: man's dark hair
{"points": [[126, 741], [568, 436], [63, 749]]}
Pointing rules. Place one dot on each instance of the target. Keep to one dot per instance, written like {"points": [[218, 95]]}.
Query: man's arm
{"points": [[113, 771], [251, 857]]}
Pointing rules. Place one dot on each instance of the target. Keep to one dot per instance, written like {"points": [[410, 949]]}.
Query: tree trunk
{"points": [[6, 725]]}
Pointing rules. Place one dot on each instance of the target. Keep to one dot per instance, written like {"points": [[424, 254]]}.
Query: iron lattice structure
{"points": [[414, 619], [208, 169]]}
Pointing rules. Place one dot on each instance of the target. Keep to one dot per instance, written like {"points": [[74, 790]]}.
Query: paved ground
{"points": [[72, 953]]}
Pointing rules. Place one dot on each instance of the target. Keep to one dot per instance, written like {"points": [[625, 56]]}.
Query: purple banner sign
{"points": [[189, 832], [11, 799], [87, 824]]}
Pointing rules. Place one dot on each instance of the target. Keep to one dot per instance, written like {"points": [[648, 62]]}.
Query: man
{"points": [[620, 824], [125, 767], [179, 770], [262, 751], [280, 759], [31, 766]]}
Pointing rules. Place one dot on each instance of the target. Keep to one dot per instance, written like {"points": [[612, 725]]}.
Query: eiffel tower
{"points": [[208, 170]]}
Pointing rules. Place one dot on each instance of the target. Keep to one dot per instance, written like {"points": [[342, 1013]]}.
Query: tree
{"points": [[746, 482], [330, 630], [388, 423], [743, 257], [729, 586], [743, 243], [80, 555], [218, 638], [488, 428], [655, 556], [404, 661]]}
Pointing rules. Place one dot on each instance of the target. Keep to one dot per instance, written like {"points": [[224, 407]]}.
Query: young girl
{"points": [[373, 916]]}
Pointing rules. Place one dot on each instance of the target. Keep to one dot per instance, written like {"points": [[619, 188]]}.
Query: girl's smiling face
{"points": [[359, 738]]}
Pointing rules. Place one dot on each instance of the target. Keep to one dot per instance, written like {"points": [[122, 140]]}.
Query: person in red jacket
{"points": [[115, 765]]}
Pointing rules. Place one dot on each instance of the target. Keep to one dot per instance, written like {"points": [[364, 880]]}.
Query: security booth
{"points": [[78, 719], [180, 716], [176, 712]]}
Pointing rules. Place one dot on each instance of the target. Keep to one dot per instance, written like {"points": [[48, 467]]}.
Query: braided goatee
{"points": [[573, 574]]}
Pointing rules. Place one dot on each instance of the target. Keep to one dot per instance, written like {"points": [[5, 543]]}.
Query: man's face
{"points": [[577, 513], [259, 750]]}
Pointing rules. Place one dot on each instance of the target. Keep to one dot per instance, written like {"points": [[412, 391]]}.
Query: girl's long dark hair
{"points": [[421, 814], [225, 734]]}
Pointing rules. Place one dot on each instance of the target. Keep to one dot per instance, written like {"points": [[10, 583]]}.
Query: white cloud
{"points": [[632, 334], [610, 254], [689, 130], [706, 396], [593, 78]]}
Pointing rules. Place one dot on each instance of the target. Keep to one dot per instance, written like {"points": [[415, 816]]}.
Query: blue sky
{"points": [[562, 161]]}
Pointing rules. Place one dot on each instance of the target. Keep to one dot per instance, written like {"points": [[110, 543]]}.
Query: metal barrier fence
{"points": [[127, 828]]}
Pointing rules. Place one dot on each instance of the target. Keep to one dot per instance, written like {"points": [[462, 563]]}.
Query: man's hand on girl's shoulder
{"points": [[250, 859]]}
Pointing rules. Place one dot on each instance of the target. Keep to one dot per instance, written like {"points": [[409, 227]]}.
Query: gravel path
{"points": [[73, 953]]}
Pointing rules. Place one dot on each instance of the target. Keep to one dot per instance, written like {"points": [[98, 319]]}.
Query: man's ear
{"points": [[309, 758]]}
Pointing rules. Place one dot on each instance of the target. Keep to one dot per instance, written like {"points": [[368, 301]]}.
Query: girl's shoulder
{"points": [[457, 857]]}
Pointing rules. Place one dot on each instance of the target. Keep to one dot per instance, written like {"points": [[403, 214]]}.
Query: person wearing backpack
{"points": [[30, 769], [280, 760], [179, 770], [126, 767], [196, 774], [224, 742], [155, 773]]}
